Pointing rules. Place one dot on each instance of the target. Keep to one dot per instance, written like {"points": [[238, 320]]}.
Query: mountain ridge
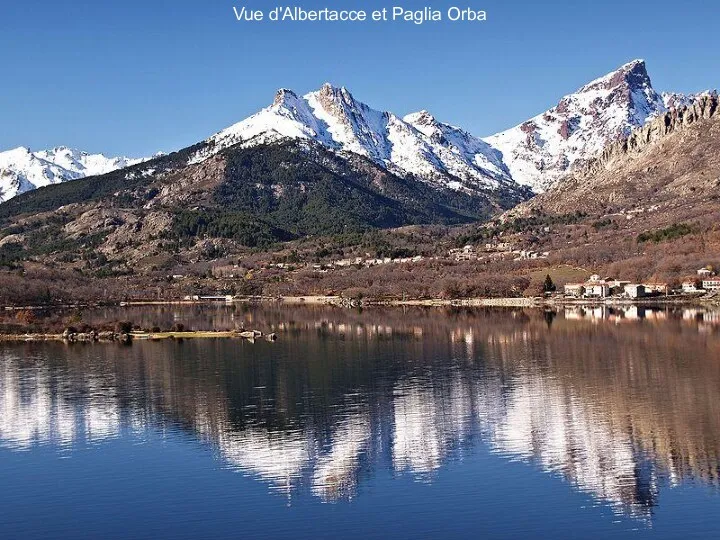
{"points": [[535, 155], [541, 150], [605, 181], [333, 117], [23, 170]]}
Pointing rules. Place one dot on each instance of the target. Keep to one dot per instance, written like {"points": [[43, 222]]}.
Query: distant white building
{"points": [[635, 290], [597, 287], [467, 253], [617, 286], [657, 287], [574, 289], [690, 286], [705, 272], [711, 284]]}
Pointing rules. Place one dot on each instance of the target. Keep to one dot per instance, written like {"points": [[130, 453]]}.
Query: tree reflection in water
{"points": [[618, 402]]}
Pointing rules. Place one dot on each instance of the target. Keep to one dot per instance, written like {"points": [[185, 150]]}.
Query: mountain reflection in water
{"points": [[616, 410]]}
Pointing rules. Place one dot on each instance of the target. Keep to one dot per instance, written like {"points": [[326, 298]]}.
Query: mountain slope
{"points": [[22, 170], [165, 211], [669, 163], [541, 150], [647, 208], [434, 153], [536, 153]]}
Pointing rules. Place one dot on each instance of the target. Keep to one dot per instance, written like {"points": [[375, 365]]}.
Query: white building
{"points": [[657, 287], [575, 289], [635, 290], [711, 284], [597, 289], [689, 286]]}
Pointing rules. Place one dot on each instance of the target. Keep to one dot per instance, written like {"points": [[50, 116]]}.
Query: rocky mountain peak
{"points": [[420, 118], [283, 96], [431, 152], [667, 166], [338, 102], [632, 75], [543, 149], [338, 95]]}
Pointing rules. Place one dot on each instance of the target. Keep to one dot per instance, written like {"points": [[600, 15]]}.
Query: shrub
{"points": [[673, 232], [124, 327]]}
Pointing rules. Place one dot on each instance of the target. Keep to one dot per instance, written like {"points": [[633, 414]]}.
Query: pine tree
{"points": [[548, 285]]}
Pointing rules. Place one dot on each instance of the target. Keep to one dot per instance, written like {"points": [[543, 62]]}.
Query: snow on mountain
{"points": [[460, 143], [436, 153], [22, 170], [538, 152], [674, 100]]}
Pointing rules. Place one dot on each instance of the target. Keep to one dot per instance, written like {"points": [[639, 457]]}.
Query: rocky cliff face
{"points": [[673, 161], [540, 151], [704, 107]]}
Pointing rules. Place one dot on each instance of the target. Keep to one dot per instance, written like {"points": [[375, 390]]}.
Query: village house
{"points": [[635, 290], [597, 289], [524, 255], [711, 284], [466, 253], [500, 246], [348, 262], [657, 288], [527, 254], [705, 272], [617, 286], [689, 286], [575, 289]]}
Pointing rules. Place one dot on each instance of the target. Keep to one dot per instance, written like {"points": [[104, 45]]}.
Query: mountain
{"points": [[540, 151], [646, 208], [22, 170], [674, 100], [533, 155], [434, 153], [669, 163], [321, 164], [177, 210]]}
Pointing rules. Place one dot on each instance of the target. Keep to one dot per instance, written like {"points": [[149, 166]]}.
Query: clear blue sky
{"points": [[133, 77]]}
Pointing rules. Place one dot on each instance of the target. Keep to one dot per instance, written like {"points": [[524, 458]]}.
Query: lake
{"points": [[401, 423]]}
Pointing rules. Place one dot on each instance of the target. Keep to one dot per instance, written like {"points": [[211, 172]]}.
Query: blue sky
{"points": [[134, 77]]}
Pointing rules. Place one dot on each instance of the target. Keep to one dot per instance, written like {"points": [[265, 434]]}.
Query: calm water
{"points": [[382, 423]]}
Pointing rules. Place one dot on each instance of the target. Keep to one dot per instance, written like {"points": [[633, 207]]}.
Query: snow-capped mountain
{"points": [[533, 155], [22, 170], [438, 154], [674, 100], [539, 151]]}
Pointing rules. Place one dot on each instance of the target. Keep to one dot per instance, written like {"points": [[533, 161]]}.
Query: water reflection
{"points": [[618, 411]]}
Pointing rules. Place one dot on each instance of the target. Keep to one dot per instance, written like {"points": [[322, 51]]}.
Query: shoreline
{"points": [[249, 335], [339, 301], [95, 336]]}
